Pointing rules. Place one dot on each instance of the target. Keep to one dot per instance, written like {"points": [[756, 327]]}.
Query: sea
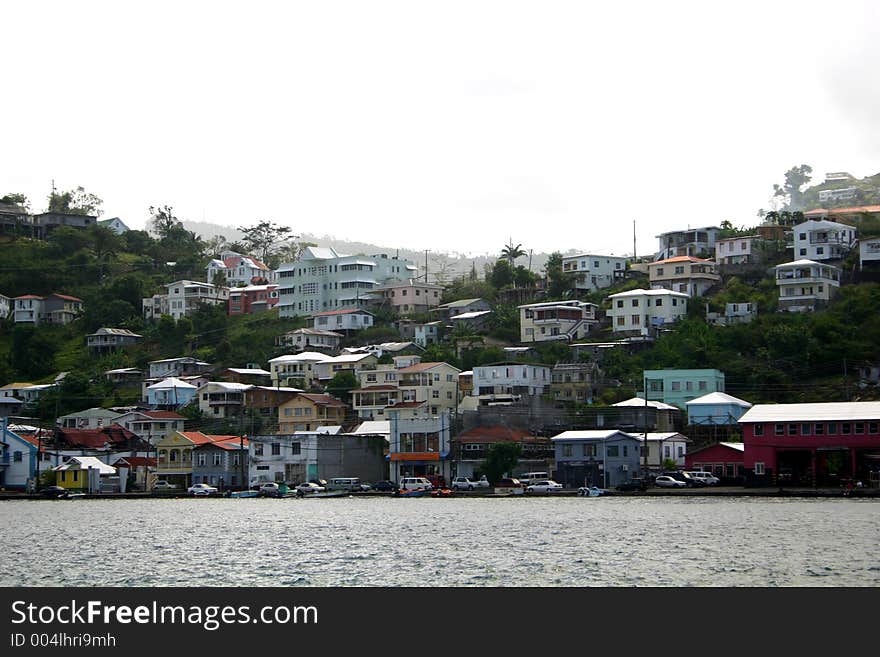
{"points": [[622, 541]]}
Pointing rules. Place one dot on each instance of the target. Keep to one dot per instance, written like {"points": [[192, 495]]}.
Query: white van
{"points": [[415, 483], [350, 484], [706, 477], [532, 477]]}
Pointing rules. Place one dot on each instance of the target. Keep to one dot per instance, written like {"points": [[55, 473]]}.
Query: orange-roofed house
{"points": [[52, 309], [175, 455], [307, 412], [685, 274], [470, 448], [222, 463]]}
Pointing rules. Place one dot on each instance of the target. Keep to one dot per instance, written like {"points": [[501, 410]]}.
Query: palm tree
{"points": [[511, 252]]}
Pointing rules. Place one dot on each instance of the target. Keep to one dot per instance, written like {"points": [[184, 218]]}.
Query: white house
{"points": [[239, 270], [221, 399], [869, 253], [298, 369], [115, 224], [184, 298], [804, 284], [699, 242], [327, 368], [511, 378], [686, 274], [734, 313], [636, 311], [738, 250], [92, 418], [18, 459], [342, 320], [556, 320], [5, 306], [823, 240], [594, 272], [185, 365], [662, 447], [305, 339]]}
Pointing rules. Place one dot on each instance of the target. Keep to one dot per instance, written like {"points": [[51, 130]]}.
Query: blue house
{"points": [[595, 458], [18, 460], [678, 387], [716, 408], [170, 393]]}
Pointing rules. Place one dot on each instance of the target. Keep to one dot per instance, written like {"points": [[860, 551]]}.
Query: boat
{"points": [[591, 491], [71, 496], [442, 492], [325, 494], [244, 493], [417, 492]]}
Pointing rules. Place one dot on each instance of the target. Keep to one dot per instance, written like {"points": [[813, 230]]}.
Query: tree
{"points": [[791, 190], [16, 199], [164, 224], [501, 459], [265, 238], [76, 201], [501, 274], [511, 252], [561, 282], [342, 384]]}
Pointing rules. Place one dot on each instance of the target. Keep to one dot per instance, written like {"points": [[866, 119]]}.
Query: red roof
{"points": [[66, 296], [29, 296], [162, 415], [856, 209], [233, 262], [96, 438], [233, 444], [199, 438], [497, 434], [322, 400]]}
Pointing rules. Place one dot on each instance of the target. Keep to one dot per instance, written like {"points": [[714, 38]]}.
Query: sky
{"points": [[453, 126]]}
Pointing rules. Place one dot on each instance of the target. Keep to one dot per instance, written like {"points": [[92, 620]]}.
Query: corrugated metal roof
{"points": [[718, 398], [821, 412]]}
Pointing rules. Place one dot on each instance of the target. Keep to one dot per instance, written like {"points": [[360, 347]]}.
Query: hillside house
{"points": [[557, 320], [594, 272], [805, 285], [685, 274], [823, 240], [105, 340], [637, 312]]}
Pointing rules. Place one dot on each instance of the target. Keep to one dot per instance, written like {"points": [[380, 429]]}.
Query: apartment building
{"points": [[805, 285], [823, 240], [686, 274], [594, 272], [637, 311]]}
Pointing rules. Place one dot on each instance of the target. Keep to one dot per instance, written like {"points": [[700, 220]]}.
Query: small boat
{"points": [[442, 492], [325, 494], [591, 491], [71, 496], [418, 492], [244, 493]]}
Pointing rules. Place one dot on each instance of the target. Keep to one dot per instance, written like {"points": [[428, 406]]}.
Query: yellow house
{"points": [[82, 473], [175, 460], [307, 412]]}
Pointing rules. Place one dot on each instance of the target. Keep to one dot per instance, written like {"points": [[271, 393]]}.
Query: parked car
{"points": [[528, 478], [269, 489], [52, 491], [685, 478], [385, 486], [463, 483], [632, 484], [508, 482], [161, 484], [415, 483], [544, 486], [201, 489], [309, 487], [665, 481], [482, 482], [706, 477]]}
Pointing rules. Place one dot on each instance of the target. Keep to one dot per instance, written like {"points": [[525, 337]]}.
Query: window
{"points": [[218, 458], [659, 271], [635, 303], [845, 428], [566, 450], [613, 450], [667, 452], [860, 427], [701, 385], [792, 429], [758, 430], [589, 449], [806, 429], [680, 451], [295, 448], [626, 450], [820, 429], [658, 302], [872, 427], [435, 394], [636, 319], [201, 459], [779, 430], [16, 457], [676, 386], [832, 428], [621, 321], [276, 449], [620, 303], [759, 468]]}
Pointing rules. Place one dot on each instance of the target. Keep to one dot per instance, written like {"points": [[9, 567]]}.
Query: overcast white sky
{"points": [[449, 126]]}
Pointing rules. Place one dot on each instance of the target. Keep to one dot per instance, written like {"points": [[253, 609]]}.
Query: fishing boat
{"points": [[244, 493], [418, 492], [591, 491], [442, 492], [325, 494]]}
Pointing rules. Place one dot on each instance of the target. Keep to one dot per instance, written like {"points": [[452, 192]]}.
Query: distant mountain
{"points": [[441, 264]]}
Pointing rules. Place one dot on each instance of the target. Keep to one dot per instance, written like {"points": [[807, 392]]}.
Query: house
{"points": [[574, 382], [556, 320], [823, 240], [446, 310], [686, 274], [595, 458], [106, 340], [6, 305], [251, 375], [419, 446], [18, 460], [471, 447], [233, 269], [742, 250], [384, 388], [14, 220], [716, 408], [175, 455], [44, 223], [594, 272], [734, 313], [151, 426], [306, 339], [296, 369], [663, 447], [263, 401], [115, 224], [410, 296], [725, 460], [814, 444], [697, 242], [342, 320], [184, 298], [125, 376], [10, 406], [220, 399], [140, 469], [511, 378], [87, 474], [26, 393], [324, 280], [303, 456], [850, 215], [307, 412], [252, 299], [427, 333], [105, 440], [222, 463], [473, 322], [329, 367], [52, 309], [677, 387], [636, 312], [184, 366], [92, 418], [805, 285], [170, 393], [869, 253], [393, 349], [636, 414]]}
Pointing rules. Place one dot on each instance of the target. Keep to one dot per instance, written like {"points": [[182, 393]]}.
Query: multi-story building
{"points": [[175, 455], [805, 285], [306, 339], [252, 299], [110, 339], [384, 388], [44, 223], [574, 382], [184, 298], [52, 309], [419, 446], [678, 387], [697, 242], [716, 409], [237, 270], [410, 296], [220, 399], [346, 321], [596, 458], [685, 274], [329, 367], [823, 240], [734, 313], [869, 254], [739, 250], [594, 272], [511, 378], [556, 320], [221, 463], [182, 366], [296, 370], [151, 426], [820, 444], [91, 418], [471, 447], [637, 311], [662, 448], [170, 393], [427, 333], [446, 310], [307, 412], [323, 279]]}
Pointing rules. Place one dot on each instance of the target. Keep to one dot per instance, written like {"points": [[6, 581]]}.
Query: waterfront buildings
{"points": [[596, 458], [419, 446]]}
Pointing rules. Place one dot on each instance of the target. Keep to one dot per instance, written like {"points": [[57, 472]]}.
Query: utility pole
{"points": [[634, 246], [845, 381]]}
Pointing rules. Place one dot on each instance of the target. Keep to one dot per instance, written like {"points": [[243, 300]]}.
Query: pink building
{"points": [[252, 299]]}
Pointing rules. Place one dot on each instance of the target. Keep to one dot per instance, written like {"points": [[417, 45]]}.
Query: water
{"points": [[441, 542]]}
